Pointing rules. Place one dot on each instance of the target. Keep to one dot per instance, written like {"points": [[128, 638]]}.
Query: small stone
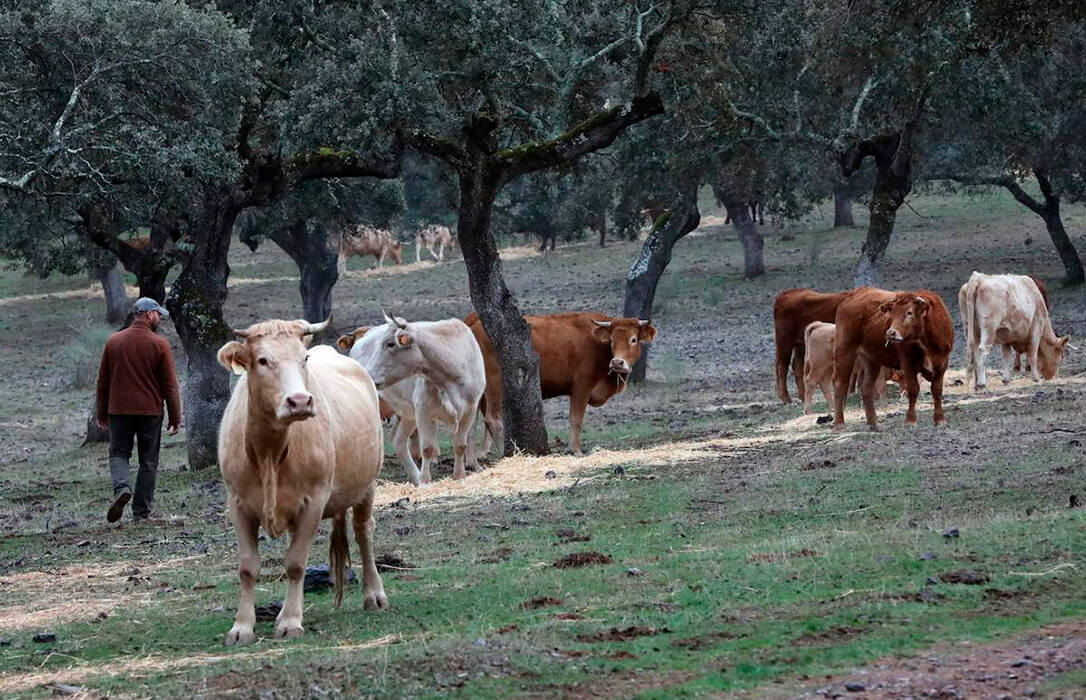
{"points": [[619, 470], [928, 556], [634, 571], [855, 687], [551, 474], [521, 507], [1073, 502], [822, 420], [951, 533], [930, 581], [1021, 662], [5, 642], [45, 637]]}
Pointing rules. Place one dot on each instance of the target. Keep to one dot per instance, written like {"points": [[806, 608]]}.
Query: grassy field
{"points": [[747, 550]]}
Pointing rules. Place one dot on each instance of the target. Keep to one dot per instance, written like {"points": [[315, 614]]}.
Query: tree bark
{"points": [[879, 229], [195, 303], [749, 237], [522, 397], [1072, 263], [842, 209], [309, 244], [645, 273], [113, 286]]}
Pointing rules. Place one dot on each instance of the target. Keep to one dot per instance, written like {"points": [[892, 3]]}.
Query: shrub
{"points": [[79, 359]]}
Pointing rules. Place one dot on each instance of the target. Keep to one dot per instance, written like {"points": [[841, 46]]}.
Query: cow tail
{"points": [[339, 555], [269, 478]]}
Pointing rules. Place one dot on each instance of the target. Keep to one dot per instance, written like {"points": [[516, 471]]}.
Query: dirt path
{"points": [[1011, 668]]}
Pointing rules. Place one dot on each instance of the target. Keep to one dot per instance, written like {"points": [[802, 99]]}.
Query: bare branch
{"points": [[539, 57]]}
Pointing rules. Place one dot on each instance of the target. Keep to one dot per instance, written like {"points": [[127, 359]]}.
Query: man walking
{"points": [[135, 377]]}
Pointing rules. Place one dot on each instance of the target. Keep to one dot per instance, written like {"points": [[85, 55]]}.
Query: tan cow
{"points": [[818, 339], [300, 441], [1009, 311], [433, 235], [367, 240], [586, 356]]}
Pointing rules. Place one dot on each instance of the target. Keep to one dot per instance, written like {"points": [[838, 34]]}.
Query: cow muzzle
{"points": [[892, 336], [297, 406], [619, 366]]}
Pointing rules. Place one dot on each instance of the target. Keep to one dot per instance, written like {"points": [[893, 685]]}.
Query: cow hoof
{"points": [[239, 636], [375, 601], [290, 630]]}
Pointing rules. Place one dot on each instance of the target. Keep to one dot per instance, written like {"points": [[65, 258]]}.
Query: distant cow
{"points": [[909, 331], [1010, 311], [818, 366], [431, 236], [793, 311], [438, 368], [368, 240], [300, 441], [586, 356]]}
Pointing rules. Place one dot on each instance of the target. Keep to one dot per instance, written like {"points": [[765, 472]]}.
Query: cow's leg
{"points": [[1031, 358], [799, 354], [869, 374], [427, 440], [402, 440], [418, 249], [578, 403], [461, 438], [1007, 351], [912, 388], [288, 624], [441, 251], [810, 381], [341, 264], [1017, 361], [246, 529], [827, 387], [980, 358], [373, 589], [843, 359], [381, 259], [937, 397], [784, 357]]}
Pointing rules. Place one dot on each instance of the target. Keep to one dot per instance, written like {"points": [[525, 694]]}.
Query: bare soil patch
{"points": [[540, 602], [784, 556], [578, 559], [622, 635]]}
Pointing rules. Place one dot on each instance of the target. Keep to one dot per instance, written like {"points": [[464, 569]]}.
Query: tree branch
{"points": [[594, 133], [431, 145], [539, 57], [326, 163], [1005, 181], [903, 155]]}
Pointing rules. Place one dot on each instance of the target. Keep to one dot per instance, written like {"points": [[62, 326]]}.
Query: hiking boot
{"points": [[117, 509]]}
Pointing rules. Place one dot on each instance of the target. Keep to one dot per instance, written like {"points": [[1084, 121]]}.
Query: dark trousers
{"points": [[146, 432]]}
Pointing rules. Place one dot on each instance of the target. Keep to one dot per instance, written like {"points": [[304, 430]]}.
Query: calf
{"points": [[907, 331], [818, 366], [433, 235], [300, 441], [1009, 311], [583, 355], [441, 365], [367, 240], [793, 311]]}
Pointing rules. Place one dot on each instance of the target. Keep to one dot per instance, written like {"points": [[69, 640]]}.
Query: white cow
{"points": [[439, 364], [1009, 311], [431, 236]]}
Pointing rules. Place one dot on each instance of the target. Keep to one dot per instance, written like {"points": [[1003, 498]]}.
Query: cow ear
{"points": [[403, 339], [602, 334], [922, 305], [234, 356], [887, 307], [1065, 342], [647, 333], [345, 342], [307, 340]]}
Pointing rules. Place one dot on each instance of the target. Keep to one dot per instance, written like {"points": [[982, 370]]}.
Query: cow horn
{"points": [[240, 333], [311, 328], [388, 319], [602, 324], [643, 322]]}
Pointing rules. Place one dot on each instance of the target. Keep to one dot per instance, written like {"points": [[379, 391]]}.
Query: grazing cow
{"points": [[300, 441], [818, 366], [367, 240], [793, 311], [756, 212], [1021, 348], [428, 372], [433, 235], [908, 331], [583, 355], [1009, 311]]}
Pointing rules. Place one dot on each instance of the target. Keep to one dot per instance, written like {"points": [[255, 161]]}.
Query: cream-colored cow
{"points": [[433, 235]]}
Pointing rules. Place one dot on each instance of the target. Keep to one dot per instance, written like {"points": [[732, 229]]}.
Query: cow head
{"points": [[346, 342], [907, 313], [397, 356], [273, 357], [1050, 355], [625, 336]]}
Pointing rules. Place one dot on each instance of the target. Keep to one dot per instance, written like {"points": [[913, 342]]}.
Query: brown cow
{"points": [[819, 341], [367, 240], [300, 441], [909, 331], [793, 311], [586, 356]]}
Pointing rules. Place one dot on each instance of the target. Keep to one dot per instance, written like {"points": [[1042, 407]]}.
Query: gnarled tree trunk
{"points": [[522, 397], [842, 209], [747, 231], [1072, 263], [883, 209], [645, 273], [113, 286], [314, 249], [196, 307]]}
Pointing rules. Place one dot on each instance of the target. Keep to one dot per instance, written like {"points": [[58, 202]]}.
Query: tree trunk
{"points": [[601, 226], [522, 403], [196, 307], [309, 244], [113, 287], [151, 279], [842, 209], [1072, 264], [879, 229], [749, 237], [655, 255]]}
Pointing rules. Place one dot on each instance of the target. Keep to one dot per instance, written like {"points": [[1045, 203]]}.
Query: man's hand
{"points": [[104, 425], [172, 429]]}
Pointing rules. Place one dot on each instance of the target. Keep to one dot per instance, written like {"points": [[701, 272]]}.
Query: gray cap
{"points": [[148, 304]]}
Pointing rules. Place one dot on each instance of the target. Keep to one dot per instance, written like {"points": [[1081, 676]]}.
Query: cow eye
{"points": [[633, 340], [390, 344], [263, 362]]}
